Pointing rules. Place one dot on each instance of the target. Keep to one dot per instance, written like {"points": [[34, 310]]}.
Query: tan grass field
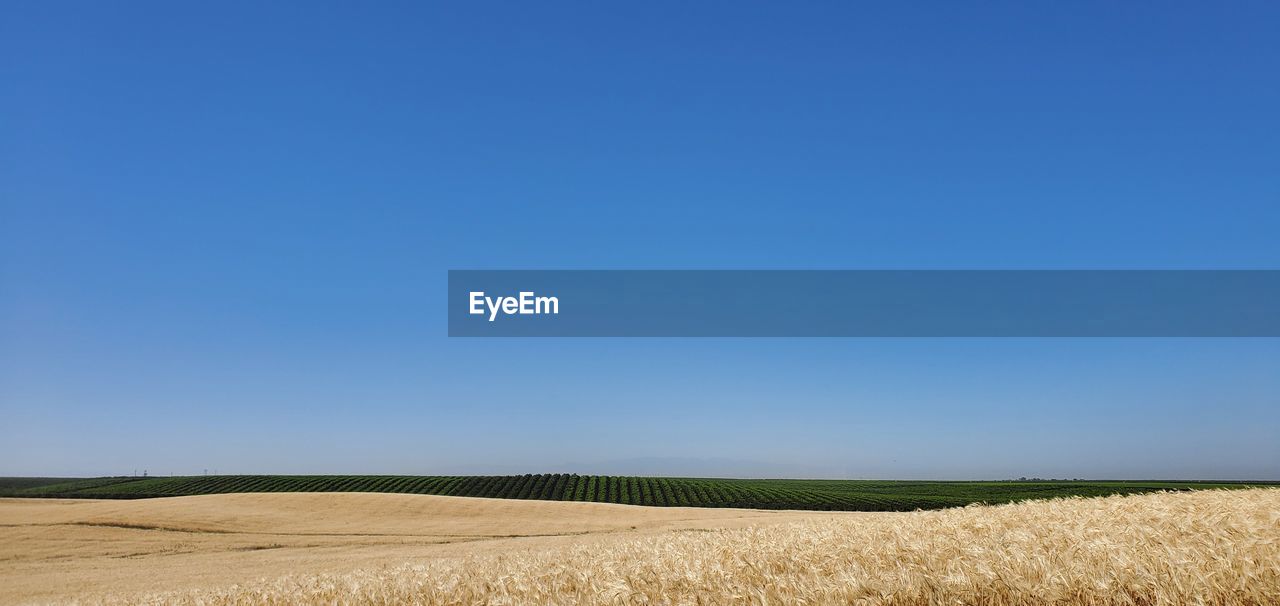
{"points": [[53, 550], [1212, 547]]}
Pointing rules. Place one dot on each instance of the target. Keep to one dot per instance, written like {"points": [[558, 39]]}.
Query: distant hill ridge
{"points": [[833, 495]]}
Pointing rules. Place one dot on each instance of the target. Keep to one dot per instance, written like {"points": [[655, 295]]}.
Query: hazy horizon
{"points": [[658, 467]]}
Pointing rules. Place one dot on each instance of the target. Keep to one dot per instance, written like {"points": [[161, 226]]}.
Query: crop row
{"points": [[661, 492], [848, 495]]}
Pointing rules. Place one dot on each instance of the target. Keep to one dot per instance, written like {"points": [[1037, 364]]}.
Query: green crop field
{"points": [[845, 495]]}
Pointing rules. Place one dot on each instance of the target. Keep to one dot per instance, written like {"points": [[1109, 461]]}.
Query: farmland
{"points": [[813, 495], [56, 550], [1201, 547]]}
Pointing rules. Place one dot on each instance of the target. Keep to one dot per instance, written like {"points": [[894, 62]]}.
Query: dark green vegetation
{"points": [[11, 484], [849, 495]]}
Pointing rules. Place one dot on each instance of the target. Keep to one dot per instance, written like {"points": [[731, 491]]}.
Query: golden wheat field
{"points": [[53, 550], [1211, 547]]}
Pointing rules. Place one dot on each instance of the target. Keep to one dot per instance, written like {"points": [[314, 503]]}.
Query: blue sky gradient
{"points": [[225, 231]]}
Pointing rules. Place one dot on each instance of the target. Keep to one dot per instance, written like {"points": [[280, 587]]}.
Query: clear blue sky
{"points": [[226, 228]]}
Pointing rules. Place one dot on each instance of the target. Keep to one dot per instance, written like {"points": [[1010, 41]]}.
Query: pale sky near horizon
{"points": [[225, 231]]}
